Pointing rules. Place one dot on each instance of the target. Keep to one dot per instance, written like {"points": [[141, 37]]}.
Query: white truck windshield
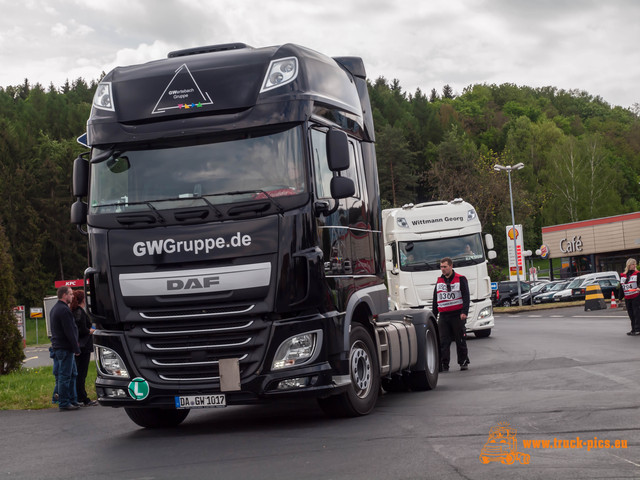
{"points": [[425, 255]]}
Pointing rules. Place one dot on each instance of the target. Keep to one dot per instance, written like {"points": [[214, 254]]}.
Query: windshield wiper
{"points": [[156, 212], [211, 206], [278, 206]]}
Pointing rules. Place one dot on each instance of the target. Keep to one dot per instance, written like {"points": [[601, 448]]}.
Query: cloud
{"points": [[590, 45]]}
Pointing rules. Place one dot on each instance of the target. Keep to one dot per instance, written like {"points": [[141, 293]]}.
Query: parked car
{"points": [[537, 289], [607, 286], [564, 295], [547, 297], [506, 291], [578, 282]]}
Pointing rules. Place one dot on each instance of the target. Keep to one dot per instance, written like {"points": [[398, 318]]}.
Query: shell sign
{"points": [[510, 234]]}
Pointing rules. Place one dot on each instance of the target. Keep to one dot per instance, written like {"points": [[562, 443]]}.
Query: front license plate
{"points": [[201, 401]]}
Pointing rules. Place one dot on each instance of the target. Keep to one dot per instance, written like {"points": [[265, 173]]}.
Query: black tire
{"points": [[428, 379], [362, 394], [482, 333], [156, 417]]}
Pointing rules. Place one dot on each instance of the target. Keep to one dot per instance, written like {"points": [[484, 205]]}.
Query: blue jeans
{"points": [[52, 354], [67, 374]]}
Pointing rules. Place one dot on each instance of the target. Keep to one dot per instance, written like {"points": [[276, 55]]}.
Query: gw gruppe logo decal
{"points": [[182, 92], [201, 245]]}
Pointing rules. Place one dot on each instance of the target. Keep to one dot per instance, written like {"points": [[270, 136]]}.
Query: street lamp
{"points": [[508, 169]]}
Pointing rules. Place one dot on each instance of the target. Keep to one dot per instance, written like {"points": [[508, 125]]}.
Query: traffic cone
{"points": [[614, 304]]}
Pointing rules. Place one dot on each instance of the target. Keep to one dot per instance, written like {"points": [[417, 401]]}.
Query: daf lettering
{"points": [[192, 283]]}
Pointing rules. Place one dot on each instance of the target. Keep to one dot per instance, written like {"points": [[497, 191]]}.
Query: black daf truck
{"points": [[234, 235]]}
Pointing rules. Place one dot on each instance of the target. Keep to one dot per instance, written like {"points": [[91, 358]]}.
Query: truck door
{"points": [[333, 230]]}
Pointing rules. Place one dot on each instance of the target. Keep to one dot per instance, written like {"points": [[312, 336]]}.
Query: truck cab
{"points": [[417, 237], [233, 229]]}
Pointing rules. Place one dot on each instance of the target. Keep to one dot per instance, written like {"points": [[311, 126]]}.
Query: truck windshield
{"points": [[425, 255], [184, 175]]}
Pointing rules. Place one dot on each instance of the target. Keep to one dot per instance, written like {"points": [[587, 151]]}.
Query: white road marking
{"points": [[624, 459]]}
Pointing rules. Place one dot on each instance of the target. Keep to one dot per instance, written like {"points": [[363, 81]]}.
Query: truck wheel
{"points": [[428, 379], [156, 417], [482, 333], [362, 394]]}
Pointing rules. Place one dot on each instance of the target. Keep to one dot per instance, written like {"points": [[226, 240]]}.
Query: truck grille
{"points": [[190, 351]]}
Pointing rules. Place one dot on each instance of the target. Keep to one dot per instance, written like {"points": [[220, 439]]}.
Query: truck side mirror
{"points": [[488, 241], [491, 254], [388, 259], [80, 177], [79, 213], [337, 150], [342, 187]]}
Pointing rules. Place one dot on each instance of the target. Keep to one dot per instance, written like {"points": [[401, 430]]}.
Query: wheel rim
{"points": [[360, 369], [430, 356]]}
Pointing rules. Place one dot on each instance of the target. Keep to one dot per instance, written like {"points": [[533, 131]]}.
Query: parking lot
{"points": [[556, 376]]}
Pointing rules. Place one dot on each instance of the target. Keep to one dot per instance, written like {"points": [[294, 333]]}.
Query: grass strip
{"points": [[31, 388]]}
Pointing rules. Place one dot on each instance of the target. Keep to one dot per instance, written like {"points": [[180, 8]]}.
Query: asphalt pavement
{"points": [[557, 376]]}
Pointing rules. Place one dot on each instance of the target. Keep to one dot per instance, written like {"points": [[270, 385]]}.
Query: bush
{"points": [[11, 353], [495, 272]]}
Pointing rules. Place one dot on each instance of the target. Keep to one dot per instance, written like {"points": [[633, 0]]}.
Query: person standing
{"points": [[64, 341], [629, 284], [451, 303], [85, 330]]}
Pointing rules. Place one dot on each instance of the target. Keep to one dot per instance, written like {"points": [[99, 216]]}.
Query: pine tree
{"points": [[11, 353]]}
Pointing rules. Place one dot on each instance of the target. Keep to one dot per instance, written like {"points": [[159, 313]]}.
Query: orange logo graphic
{"points": [[512, 232], [502, 446]]}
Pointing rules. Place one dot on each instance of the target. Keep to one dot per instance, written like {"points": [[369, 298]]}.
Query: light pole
{"points": [[508, 169]]}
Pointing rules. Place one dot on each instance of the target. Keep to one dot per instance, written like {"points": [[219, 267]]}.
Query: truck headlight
{"points": [[298, 350], [109, 363], [103, 98], [280, 72], [484, 313]]}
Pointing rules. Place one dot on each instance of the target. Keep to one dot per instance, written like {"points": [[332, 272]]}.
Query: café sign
{"points": [[571, 245]]}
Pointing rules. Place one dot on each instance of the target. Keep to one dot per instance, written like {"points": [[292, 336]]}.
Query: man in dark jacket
{"points": [[64, 341], [451, 301]]}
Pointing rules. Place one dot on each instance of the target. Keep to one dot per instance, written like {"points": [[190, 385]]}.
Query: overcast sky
{"points": [[590, 45]]}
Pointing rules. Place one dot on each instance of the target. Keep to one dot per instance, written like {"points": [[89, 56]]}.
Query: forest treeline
{"points": [[581, 157]]}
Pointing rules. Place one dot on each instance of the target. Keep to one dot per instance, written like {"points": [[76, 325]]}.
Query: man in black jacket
{"points": [[451, 299], [64, 341]]}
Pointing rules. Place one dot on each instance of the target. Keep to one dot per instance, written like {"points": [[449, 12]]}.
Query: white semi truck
{"points": [[416, 238]]}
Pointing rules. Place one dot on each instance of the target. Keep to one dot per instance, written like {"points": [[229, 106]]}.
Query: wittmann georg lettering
{"points": [[428, 221]]}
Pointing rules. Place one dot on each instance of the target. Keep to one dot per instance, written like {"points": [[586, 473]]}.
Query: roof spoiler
{"points": [[207, 49]]}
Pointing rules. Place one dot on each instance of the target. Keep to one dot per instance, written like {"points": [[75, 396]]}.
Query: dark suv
{"points": [[607, 286], [506, 291]]}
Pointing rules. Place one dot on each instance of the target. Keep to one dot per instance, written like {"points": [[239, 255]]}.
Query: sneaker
{"points": [[69, 407], [78, 404], [465, 365], [90, 403], [631, 332]]}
